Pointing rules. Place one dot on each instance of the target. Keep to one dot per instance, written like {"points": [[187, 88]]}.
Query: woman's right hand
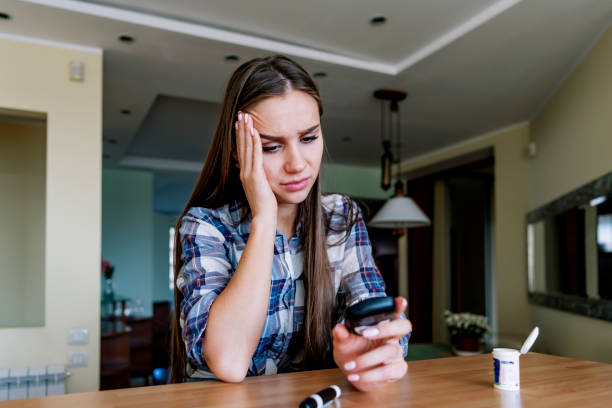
{"points": [[254, 181]]}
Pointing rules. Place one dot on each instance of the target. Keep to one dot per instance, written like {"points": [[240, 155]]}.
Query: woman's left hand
{"points": [[375, 358]]}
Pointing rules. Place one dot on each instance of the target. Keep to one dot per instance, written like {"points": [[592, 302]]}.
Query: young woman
{"points": [[265, 263]]}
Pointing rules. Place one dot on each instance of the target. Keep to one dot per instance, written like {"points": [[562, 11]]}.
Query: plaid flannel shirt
{"points": [[212, 242]]}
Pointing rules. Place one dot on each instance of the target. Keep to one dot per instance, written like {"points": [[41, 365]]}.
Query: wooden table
{"points": [[547, 381]]}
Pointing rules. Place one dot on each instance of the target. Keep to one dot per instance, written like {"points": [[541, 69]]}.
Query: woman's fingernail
{"points": [[404, 302], [350, 365], [353, 377], [371, 332], [252, 132], [246, 117], [236, 125], [239, 115]]}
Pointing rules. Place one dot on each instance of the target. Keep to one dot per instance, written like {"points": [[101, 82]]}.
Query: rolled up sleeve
{"points": [[206, 271]]}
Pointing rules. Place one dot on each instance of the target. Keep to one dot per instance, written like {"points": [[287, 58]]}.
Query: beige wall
{"points": [[574, 147], [34, 77], [22, 220], [510, 207], [440, 267], [573, 130]]}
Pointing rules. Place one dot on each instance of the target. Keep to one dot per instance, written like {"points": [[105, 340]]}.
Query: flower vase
{"points": [[109, 292]]}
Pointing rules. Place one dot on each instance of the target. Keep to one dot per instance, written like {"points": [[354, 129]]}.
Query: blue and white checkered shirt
{"points": [[212, 245]]}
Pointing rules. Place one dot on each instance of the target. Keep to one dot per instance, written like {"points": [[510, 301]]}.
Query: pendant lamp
{"points": [[399, 211]]}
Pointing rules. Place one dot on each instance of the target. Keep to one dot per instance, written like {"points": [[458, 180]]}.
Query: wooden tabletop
{"points": [[546, 381]]}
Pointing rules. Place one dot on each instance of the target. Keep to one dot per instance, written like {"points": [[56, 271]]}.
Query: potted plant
{"points": [[466, 330]]}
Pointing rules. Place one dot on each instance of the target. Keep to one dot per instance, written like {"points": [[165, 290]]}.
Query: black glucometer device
{"points": [[368, 313]]}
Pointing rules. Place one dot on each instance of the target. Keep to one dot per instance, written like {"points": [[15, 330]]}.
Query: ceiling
{"points": [[469, 66]]}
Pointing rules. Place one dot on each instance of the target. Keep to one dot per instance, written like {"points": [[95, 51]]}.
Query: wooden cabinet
{"points": [[141, 347], [115, 361], [131, 347]]}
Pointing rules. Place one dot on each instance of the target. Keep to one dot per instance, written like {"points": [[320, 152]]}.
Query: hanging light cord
{"points": [[382, 122], [398, 131]]}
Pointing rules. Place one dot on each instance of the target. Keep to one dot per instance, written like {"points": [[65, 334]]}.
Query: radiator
{"points": [[32, 382]]}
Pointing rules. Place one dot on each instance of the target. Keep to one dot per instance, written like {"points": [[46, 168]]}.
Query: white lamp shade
{"points": [[399, 212]]}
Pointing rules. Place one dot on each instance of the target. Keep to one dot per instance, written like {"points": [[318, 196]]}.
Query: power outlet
{"points": [[77, 359], [78, 337]]}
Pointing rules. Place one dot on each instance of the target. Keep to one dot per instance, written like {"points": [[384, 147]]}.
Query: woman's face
{"points": [[292, 143]]}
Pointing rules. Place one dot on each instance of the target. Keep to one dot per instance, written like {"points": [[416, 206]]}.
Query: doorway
{"points": [[450, 263]]}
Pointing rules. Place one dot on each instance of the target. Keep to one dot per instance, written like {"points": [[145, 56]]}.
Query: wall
{"points": [[127, 232], [572, 133], [135, 237], [173, 190], [22, 217], [354, 181], [508, 217], [440, 264], [34, 77], [161, 255]]}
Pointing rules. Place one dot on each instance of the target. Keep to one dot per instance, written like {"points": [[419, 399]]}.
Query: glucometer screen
{"points": [[369, 312]]}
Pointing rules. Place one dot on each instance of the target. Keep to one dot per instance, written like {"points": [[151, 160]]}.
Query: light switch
{"points": [[78, 336], [77, 71], [77, 359]]}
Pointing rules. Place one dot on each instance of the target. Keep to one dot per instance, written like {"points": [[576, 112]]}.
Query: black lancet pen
{"points": [[322, 397]]}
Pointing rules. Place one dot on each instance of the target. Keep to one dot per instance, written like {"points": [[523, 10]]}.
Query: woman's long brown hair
{"points": [[219, 184]]}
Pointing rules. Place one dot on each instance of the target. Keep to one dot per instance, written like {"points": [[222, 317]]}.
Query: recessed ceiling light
{"points": [[126, 38], [232, 58], [346, 139], [4, 16], [319, 75], [125, 111], [378, 20]]}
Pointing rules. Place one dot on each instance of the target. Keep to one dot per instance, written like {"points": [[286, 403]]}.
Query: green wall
{"points": [[134, 237], [161, 255], [127, 232], [354, 181]]}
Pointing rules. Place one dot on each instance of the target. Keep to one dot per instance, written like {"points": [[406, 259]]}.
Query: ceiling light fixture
{"points": [[399, 211], [378, 20], [4, 16], [319, 75], [125, 111], [232, 58], [126, 38]]}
